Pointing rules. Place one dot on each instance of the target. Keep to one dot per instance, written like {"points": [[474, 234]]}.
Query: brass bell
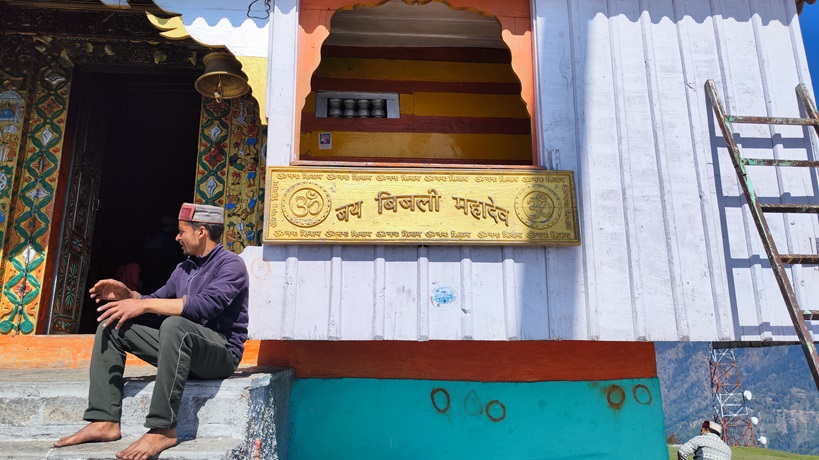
{"points": [[223, 77]]}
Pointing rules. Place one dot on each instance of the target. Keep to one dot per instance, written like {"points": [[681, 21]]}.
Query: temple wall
{"points": [[429, 419], [668, 250]]}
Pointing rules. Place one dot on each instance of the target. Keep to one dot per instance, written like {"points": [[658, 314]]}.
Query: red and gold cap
{"points": [[202, 213]]}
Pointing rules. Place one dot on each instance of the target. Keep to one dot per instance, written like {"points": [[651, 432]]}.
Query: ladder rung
{"points": [[771, 120], [788, 207], [808, 259], [773, 162], [811, 315]]}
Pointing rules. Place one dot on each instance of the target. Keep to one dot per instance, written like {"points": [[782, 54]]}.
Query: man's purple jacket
{"points": [[214, 289]]}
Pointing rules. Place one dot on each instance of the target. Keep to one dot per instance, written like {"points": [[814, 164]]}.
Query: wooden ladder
{"points": [[777, 260]]}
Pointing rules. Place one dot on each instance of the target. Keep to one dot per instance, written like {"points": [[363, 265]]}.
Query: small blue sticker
{"points": [[443, 296]]}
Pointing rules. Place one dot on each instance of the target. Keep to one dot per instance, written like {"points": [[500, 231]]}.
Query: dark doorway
{"points": [[148, 169]]}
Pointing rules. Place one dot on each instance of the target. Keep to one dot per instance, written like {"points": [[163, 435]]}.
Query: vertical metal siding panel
{"points": [[556, 80], [281, 83], [567, 292], [566, 297], [291, 291], [743, 279], [423, 300], [488, 285], [444, 273], [578, 25], [746, 97], [638, 175], [313, 304], [513, 296], [401, 293], [796, 185], [336, 286], [358, 303], [379, 293], [528, 265], [266, 305], [811, 275], [685, 228], [467, 300], [611, 298], [775, 76], [682, 229], [698, 50], [757, 143]]}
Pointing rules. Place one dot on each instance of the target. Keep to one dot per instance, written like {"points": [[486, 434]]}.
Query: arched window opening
{"points": [[403, 84]]}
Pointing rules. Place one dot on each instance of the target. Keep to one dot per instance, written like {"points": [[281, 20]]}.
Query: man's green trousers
{"points": [[178, 348]]}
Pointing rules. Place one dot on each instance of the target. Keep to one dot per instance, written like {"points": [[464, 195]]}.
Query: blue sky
{"points": [[809, 21]]}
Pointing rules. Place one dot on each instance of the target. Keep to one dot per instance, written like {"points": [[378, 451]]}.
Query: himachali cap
{"points": [[713, 425], [202, 213]]}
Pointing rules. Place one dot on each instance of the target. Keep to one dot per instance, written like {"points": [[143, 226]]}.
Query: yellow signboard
{"points": [[420, 206]]}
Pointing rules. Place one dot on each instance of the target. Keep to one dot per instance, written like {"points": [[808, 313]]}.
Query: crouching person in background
{"points": [[707, 446]]}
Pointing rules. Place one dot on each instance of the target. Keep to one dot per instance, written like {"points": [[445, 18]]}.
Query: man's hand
{"points": [[109, 290], [120, 311]]}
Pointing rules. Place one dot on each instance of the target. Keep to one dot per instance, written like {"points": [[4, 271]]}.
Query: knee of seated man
{"points": [[101, 328], [107, 330], [173, 323]]}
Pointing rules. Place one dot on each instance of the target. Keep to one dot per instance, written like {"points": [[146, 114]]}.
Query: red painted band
{"points": [[418, 124], [415, 162], [518, 361], [70, 351], [482, 55], [320, 83]]}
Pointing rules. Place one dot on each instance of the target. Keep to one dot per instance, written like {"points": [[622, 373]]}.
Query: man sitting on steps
{"points": [[195, 325]]}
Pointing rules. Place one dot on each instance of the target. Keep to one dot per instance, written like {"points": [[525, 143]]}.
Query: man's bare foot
{"points": [[150, 445], [98, 431]]}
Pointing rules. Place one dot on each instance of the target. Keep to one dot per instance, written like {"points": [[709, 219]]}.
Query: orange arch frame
{"points": [[516, 31]]}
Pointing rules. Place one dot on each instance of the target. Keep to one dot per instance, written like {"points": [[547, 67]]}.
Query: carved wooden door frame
{"points": [[80, 195]]}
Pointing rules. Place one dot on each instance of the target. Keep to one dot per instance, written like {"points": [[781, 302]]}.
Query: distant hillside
{"points": [[784, 396]]}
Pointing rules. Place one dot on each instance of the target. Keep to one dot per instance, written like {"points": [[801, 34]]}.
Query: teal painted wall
{"points": [[425, 419]]}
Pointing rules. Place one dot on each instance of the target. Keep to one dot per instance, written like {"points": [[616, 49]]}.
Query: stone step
{"points": [[193, 449], [249, 410]]}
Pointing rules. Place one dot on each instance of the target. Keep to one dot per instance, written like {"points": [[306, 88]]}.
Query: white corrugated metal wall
{"points": [[669, 251]]}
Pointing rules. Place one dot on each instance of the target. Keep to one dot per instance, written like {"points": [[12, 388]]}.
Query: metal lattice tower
{"points": [[728, 399]]}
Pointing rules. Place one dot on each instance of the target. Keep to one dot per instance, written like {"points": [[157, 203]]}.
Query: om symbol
{"points": [[538, 206], [305, 204]]}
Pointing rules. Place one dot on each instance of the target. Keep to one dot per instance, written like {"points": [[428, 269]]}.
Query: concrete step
{"points": [[238, 416], [193, 449]]}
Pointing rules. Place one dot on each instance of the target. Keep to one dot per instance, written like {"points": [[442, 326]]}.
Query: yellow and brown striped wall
{"points": [[456, 105]]}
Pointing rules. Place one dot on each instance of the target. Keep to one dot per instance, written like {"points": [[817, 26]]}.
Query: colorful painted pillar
{"points": [[29, 168], [230, 167]]}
